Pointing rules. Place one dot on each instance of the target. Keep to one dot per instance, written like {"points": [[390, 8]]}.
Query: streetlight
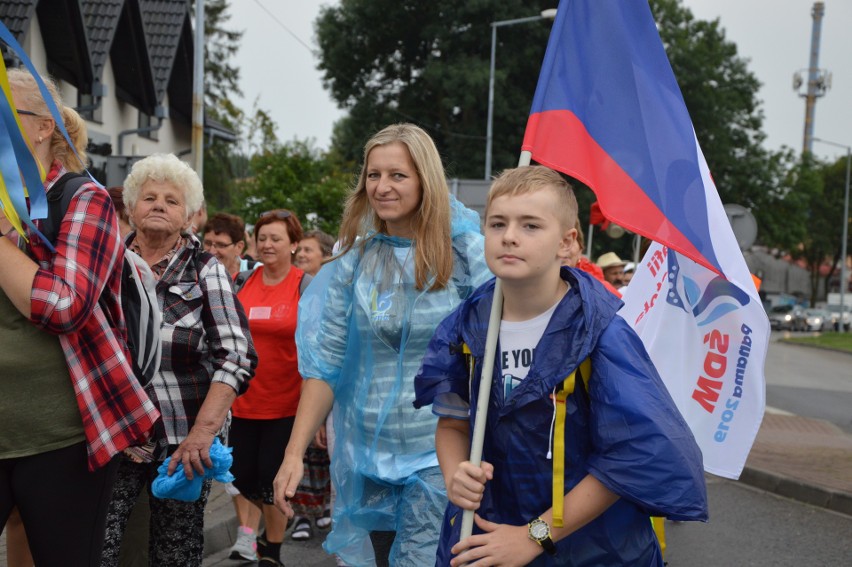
{"points": [[843, 280], [548, 14]]}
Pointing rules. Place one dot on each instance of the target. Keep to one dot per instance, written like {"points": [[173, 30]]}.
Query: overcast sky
{"points": [[774, 35]]}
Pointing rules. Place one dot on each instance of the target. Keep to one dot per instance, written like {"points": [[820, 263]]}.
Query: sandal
{"points": [[302, 531], [325, 520]]}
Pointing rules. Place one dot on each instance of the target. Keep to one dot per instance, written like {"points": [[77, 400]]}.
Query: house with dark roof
{"points": [[125, 65]]}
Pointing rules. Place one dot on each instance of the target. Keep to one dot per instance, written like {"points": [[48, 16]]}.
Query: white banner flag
{"points": [[707, 336]]}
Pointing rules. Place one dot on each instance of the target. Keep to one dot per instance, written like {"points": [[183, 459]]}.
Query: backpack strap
{"points": [[241, 279], [58, 200], [306, 279], [568, 385]]}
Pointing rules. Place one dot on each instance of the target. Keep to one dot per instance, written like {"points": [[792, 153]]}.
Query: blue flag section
{"points": [[608, 111], [607, 97]]}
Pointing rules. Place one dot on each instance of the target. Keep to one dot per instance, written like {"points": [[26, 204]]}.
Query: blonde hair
{"points": [[431, 221], [164, 168], [525, 180], [24, 84]]}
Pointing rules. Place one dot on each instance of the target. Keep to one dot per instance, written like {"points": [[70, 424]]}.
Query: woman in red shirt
{"points": [[263, 416]]}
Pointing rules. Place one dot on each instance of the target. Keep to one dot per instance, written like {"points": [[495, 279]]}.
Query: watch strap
{"points": [[546, 542]]}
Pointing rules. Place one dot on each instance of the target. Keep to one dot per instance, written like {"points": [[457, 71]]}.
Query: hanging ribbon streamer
{"points": [[16, 157]]}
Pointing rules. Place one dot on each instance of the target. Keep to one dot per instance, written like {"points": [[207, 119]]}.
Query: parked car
{"points": [[812, 320], [834, 312], [782, 316]]}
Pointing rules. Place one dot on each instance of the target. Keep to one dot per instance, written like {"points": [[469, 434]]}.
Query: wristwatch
{"points": [[539, 532]]}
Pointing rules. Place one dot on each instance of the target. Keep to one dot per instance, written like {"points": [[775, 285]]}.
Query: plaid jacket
{"points": [[205, 337], [116, 411]]}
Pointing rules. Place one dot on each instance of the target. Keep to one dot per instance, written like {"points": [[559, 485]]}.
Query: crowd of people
{"points": [[313, 360]]}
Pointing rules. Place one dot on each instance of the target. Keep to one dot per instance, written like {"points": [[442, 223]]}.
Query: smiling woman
{"points": [[410, 254], [263, 417]]}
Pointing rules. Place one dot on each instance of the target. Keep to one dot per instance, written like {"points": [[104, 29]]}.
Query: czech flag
{"points": [[608, 111]]}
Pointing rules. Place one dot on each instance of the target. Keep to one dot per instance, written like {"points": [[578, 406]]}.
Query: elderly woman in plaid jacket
{"points": [[208, 358]]}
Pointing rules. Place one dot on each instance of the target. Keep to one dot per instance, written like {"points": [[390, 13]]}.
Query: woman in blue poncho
{"points": [[410, 253]]}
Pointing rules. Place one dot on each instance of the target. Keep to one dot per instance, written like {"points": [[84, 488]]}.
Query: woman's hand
{"points": [[5, 225], [287, 481], [467, 484], [194, 452], [320, 438], [501, 544]]}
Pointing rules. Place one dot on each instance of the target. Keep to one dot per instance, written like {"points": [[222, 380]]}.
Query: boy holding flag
{"points": [[583, 442]]}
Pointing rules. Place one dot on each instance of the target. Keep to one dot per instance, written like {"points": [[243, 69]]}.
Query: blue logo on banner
{"points": [[715, 299]]}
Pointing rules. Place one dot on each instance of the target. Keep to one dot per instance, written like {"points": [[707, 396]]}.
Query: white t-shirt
{"points": [[518, 340]]}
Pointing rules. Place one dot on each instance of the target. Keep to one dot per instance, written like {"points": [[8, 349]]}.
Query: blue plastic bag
{"points": [[178, 487]]}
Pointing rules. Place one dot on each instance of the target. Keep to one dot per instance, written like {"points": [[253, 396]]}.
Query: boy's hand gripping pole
{"points": [[486, 379]]}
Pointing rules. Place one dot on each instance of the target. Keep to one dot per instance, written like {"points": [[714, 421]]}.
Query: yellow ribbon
{"points": [[559, 439]]}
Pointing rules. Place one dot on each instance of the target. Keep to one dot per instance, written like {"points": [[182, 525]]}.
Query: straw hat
{"points": [[609, 260]]}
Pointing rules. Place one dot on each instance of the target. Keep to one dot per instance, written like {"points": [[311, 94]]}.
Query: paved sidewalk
{"points": [[806, 459]]}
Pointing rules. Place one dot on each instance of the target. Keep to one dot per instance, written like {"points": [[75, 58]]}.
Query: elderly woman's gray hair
{"points": [[164, 168]]}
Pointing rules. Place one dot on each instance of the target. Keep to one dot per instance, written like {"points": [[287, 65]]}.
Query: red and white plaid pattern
{"points": [[115, 410]]}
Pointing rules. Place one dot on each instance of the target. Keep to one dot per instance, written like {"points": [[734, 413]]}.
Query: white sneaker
{"points": [[246, 546]]}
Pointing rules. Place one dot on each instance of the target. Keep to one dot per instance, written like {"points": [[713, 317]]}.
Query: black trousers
{"points": [[62, 504]]}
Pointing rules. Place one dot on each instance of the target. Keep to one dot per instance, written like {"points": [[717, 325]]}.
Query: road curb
{"points": [[834, 500]]}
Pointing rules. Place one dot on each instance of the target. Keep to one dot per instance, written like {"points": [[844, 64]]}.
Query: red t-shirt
{"points": [[271, 310]]}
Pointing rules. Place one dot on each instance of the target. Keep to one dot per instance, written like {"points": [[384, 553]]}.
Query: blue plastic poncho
{"points": [[625, 431], [178, 487], [363, 329]]}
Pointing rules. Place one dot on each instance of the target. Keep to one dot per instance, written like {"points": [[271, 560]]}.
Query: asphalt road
{"points": [[750, 527], [809, 382]]}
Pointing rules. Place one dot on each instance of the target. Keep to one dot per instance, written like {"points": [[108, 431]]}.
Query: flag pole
{"points": [[485, 379]]}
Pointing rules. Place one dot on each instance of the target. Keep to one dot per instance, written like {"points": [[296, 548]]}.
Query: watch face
{"points": [[539, 530]]}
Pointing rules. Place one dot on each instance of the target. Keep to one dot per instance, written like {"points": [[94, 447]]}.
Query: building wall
{"points": [[116, 116]]}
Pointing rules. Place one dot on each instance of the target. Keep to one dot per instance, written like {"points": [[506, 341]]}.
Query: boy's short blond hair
{"points": [[524, 180]]}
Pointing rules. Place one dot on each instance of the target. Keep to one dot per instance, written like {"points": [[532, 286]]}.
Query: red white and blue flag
{"points": [[608, 111]]}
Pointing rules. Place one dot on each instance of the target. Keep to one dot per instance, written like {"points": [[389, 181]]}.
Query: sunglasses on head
{"points": [[25, 112], [276, 214]]}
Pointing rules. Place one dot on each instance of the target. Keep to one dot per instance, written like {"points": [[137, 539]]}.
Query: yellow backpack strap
{"points": [[559, 439], [586, 372]]}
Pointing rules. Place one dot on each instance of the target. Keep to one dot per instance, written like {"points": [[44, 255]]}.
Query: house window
{"points": [[89, 107], [146, 121]]}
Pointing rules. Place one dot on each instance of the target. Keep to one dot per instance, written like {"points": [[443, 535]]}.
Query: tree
{"points": [[808, 217], [428, 63], [297, 177], [226, 160]]}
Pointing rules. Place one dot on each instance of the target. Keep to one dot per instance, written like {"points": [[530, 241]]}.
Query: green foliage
{"points": [[807, 215], [428, 63], [221, 81], [221, 78], [833, 341], [297, 177]]}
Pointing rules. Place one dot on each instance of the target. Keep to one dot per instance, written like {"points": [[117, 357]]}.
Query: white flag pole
{"points": [[485, 379]]}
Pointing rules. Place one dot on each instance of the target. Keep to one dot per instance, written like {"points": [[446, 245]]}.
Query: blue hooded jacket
{"points": [[625, 430]]}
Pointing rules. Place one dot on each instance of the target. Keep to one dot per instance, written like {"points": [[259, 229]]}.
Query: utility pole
{"points": [[198, 92], [819, 80]]}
